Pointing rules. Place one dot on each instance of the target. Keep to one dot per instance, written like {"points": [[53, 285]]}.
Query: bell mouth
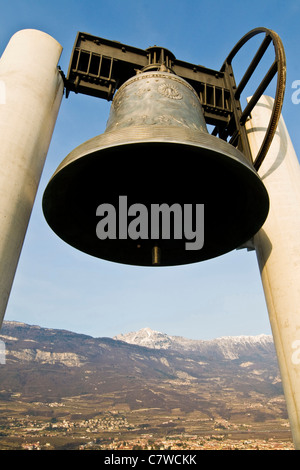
{"points": [[202, 170]]}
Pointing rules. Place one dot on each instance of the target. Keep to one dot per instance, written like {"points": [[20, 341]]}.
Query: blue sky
{"points": [[58, 287]]}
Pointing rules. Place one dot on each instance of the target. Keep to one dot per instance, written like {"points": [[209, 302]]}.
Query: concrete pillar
{"points": [[277, 246], [31, 91]]}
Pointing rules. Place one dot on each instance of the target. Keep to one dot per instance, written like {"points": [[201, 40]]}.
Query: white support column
{"points": [[31, 90], [278, 252]]}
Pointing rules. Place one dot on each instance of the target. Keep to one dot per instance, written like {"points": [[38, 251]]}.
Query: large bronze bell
{"points": [[155, 150]]}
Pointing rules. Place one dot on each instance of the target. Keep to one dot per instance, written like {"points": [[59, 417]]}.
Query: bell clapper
{"points": [[155, 255]]}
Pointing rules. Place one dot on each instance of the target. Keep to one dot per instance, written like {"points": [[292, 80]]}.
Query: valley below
{"points": [[65, 391]]}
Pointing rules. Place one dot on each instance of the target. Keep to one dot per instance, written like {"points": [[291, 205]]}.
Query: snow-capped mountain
{"points": [[230, 347]]}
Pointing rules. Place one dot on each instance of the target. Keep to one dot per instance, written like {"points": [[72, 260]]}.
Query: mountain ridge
{"points": [[212, 377], [231, 346], [224, 347]]}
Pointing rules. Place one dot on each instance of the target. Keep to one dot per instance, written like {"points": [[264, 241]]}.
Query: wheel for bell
{"points": [[155, 152]]}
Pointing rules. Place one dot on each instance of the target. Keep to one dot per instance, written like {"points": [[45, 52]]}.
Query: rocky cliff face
{"points": [[27, 343]]}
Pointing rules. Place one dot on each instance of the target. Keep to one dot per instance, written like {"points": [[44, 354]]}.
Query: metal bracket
{"points": [[98, 67]]}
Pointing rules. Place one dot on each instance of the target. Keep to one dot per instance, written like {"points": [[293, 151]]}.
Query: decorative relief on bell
{"points": [[170, 91], [156, 99], [141, 91]]}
